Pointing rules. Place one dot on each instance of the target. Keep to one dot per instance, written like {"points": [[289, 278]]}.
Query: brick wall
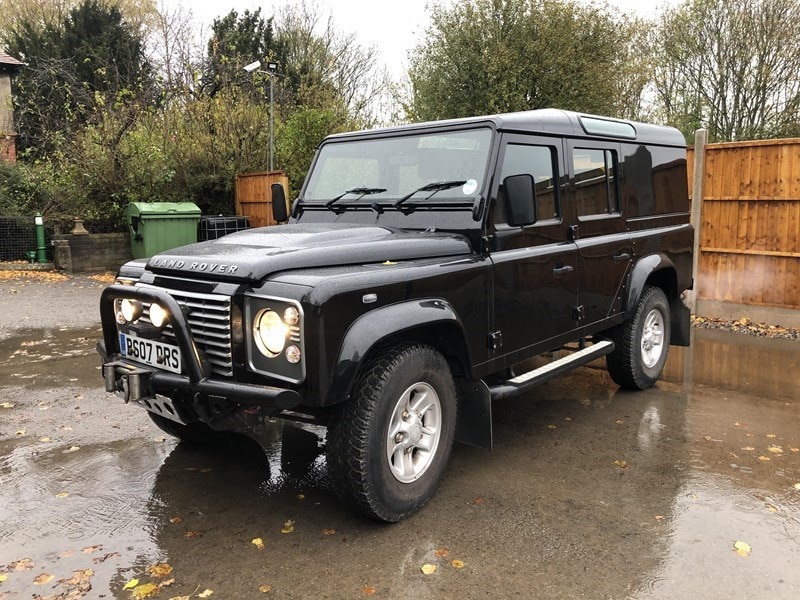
{"points": [[8, 147], [92, 253]]}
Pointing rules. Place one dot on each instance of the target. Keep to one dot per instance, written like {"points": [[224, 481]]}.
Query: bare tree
{"points": [[732, 66]]}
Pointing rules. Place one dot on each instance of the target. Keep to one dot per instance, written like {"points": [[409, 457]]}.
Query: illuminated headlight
{"points": [[270, 332], [131, 310], [158, 315]]}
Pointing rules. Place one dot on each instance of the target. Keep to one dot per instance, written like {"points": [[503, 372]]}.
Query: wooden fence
{"points": [[749, 235], [254, 196]]}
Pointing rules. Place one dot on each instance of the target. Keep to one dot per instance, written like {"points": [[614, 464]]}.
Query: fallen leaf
{"points": [[42, 579], [145, 591], [92, 549], [71, 449], [428, 569], [101, 559], [205, 593], [19, 433], [131, 584], [328, 532], [748, 448], [181, 598], [301, 496], [62, 494], [458, 564], [619, 421], [206, 470], [7, 405], [763, 458], [568, 418], [797, 486], [3, 577], [771, 436], [795, 449], [44, 439], [26, 564], [742, 548], [772, 508], [166, 583], [442, 553], [707, 438], [79, 578], [659, 517], [775, 449], [264, 588], [288, 527], [193, 534], [258, 543], [176, 520], [551, 426], [621, 464], [159, 569]]}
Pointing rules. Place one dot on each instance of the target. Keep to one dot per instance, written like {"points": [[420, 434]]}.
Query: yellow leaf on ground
{"points": [[795, 449], [92, 549], [551, 426], [181, 598], [301, 496], [368, 590], [775, 449], [140, 592], [3, 577], [428, 569], [264, 588], [797, 486], [742, 548], [771, 436], [19, 433], [7, 405], [621, 464], [205, 593], [176, 520], [763, 458], [166, 583], [62, 494], [458, 564], [619, 421], [159, 569], [328, 532], [42, 579], [131, 584], [442, 553], [192, 534], [71, 449], [288, 527], [258, 543], [26, 564], [748, 448], [659, 517], [44, 439], [771, 508]]}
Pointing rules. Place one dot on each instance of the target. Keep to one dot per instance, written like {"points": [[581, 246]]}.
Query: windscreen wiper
{"points": [[436, 186], [361, 191]]}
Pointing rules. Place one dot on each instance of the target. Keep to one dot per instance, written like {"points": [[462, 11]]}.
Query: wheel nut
{"points": [[398, 438], [405, 415]]}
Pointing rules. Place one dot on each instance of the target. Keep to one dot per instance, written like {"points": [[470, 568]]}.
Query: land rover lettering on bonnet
{"points": [[421, 267]]}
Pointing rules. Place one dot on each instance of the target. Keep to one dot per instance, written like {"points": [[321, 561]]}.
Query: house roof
{"points": [[10, 61]]}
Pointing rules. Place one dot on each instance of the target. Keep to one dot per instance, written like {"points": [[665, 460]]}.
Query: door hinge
{"points": [[496, 340], [578, 313]]}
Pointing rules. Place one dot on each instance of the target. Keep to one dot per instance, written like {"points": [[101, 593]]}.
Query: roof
{"points": [[546, 121], [10, 61]]}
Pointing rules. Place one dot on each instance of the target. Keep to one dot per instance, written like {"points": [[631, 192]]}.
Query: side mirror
{"points": [[520, 200], [279, 211]]}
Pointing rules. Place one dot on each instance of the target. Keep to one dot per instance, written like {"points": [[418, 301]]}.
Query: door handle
{"points": [[563, 270], [621, 256]]}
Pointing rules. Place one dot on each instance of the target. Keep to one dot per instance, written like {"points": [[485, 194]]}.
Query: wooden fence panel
{"points": [[254, 196], [750, 229]]}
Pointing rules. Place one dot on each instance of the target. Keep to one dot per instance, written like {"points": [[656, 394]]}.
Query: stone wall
{"points": [[95, 252]]}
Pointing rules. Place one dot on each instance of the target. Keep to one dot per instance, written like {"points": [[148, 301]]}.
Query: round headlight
{"points": [[158, 315], [291, 315], [293, 354], [270, 332], [130, 309]]}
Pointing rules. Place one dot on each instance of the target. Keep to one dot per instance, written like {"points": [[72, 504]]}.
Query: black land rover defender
{"points": [[421, 266]]}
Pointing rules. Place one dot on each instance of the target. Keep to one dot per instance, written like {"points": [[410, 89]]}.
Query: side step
{"points": [[526, 381]]}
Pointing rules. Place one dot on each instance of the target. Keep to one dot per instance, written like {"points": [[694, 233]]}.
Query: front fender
{"points": [[392, 321]]}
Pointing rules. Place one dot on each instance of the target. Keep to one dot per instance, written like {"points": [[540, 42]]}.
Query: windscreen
{"points": [[391, 168]]}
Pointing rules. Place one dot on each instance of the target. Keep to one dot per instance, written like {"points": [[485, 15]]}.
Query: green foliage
{"points": [[490, 56]]}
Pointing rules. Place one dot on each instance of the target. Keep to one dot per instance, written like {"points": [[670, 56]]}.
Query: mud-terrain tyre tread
{"points": [[197, 434], [625, 364], [354, 430]]}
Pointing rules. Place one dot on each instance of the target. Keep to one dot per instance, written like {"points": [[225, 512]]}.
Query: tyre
{"points": [[389, 444], [641, 343], [192, 433]]}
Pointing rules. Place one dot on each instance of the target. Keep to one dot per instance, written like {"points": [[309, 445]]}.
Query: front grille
{"points": [[209, 318]]}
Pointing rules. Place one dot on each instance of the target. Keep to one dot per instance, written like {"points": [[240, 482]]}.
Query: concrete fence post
{"points": [[700, 139]]}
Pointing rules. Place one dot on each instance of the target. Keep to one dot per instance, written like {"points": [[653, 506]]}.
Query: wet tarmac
{"points": [[590, 492]]}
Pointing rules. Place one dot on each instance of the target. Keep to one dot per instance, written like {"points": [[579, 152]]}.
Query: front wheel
{"points": [[389, 444], [641, 343]]}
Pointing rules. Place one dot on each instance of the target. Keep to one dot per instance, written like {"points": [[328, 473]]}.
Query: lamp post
{"points": [[270, 69]]}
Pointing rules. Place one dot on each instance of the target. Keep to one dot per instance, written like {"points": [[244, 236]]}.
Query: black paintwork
{"points": [[451, 273]]}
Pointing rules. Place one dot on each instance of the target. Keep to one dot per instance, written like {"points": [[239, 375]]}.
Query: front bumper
{"points": [[137, 382]]}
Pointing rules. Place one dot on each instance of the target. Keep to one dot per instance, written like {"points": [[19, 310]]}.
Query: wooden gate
{"points": [[254, 196]]}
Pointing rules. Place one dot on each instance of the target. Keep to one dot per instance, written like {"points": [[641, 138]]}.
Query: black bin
{"points": [[211, 228]]}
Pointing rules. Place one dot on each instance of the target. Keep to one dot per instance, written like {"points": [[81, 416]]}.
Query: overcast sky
{"points": [[393, 27]]}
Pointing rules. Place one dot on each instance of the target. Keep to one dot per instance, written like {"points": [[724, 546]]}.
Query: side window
{"points": [[538, 162], [596, 184]]}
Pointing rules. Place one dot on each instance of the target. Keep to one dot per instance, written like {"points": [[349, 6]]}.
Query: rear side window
{"points": [[538, 162], [596, 181]]}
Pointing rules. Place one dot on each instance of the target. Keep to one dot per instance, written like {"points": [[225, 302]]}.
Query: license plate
{"points": [[149, 352]]}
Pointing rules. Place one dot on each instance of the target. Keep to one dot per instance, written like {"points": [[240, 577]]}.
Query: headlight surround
{"points": [[131, 309], [270, 332]]}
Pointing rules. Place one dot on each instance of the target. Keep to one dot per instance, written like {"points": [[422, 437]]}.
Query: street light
{"points": [[270, 69]]}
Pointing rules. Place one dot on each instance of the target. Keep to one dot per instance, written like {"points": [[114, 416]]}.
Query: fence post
{"points": [[700, 139]]}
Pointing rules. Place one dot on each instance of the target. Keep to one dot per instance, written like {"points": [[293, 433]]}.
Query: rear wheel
{"points": [[389, 444], [641, 343], [192, 433]]}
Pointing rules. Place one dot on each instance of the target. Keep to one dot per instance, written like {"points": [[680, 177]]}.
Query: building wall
{"points": [[7, 139]]}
